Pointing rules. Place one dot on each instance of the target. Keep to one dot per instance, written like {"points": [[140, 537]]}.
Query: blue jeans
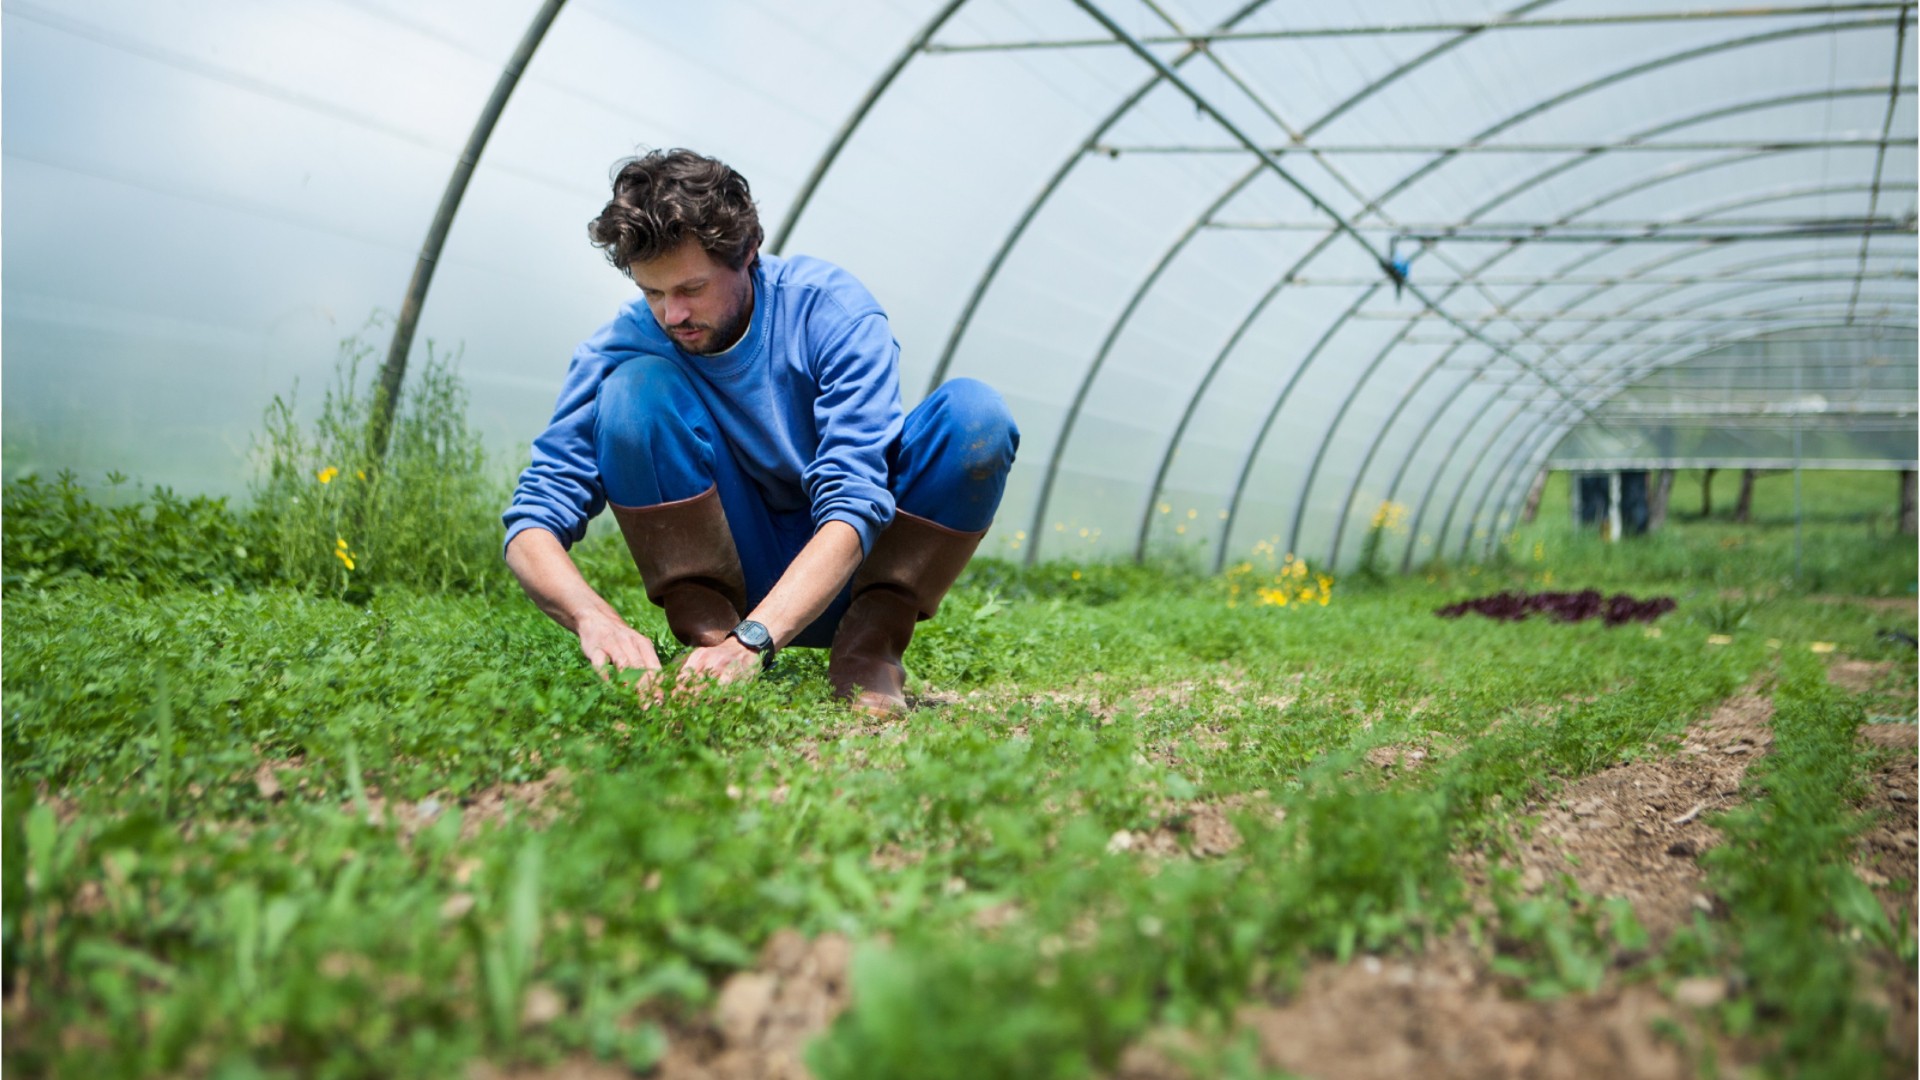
{"points": [[656, 443]]}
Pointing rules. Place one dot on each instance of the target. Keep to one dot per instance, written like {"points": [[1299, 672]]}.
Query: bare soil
{"points": [[1637, 830], [763, 1018]]}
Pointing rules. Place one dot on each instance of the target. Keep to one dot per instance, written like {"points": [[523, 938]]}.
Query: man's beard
{"points": [[729, 333]]}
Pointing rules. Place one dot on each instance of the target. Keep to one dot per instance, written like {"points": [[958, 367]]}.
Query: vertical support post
{"points": [[1613, 507], [1906, 502], [1799, 515], [394, 371]]}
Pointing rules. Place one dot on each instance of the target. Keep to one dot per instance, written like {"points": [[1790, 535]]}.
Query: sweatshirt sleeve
{"points": [[857, 415], [561, 490]]}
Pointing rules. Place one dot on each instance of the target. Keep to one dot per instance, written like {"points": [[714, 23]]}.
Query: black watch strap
{"points": [[756, 637]]}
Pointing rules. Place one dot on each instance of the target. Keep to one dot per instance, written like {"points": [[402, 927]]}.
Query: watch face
{"points": [[753, 635]]}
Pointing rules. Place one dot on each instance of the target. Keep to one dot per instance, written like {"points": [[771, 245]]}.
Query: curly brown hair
{"points": [[663, 198]]}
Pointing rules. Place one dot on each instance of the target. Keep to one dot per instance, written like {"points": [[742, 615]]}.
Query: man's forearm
{"points": [[811, 582], [550, 579]]}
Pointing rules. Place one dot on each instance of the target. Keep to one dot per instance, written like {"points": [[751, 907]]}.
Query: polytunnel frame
{"points": [[1621, 75], [1552, 430], [1625, 73], [1427, 168], [1634, 277], [1036, 530], [1502, 395], [1165, 73], [1520, 409], [1660, 177], [1529, 452]]}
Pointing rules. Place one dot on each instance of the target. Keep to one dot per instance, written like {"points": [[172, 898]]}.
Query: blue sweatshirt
{"points": [[809, 401]]}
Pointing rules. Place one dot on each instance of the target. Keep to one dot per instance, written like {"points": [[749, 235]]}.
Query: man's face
{"points": [[701, 304]]}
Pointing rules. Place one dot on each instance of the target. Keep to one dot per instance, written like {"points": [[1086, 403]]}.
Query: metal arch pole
{"points": [[1639, 185], [1438, 27], [1413, 391], [1880, 158], [1527, 452], [992, 271], [1420, 514], [1340, 221], [1613, 77], [1453, 506], [1667, 360], [1546, 422], [1699, 118], [394, 372], [1474, 421], [1433, 417], [1266, 426], [1460, 492], [1206, 380], [853, 121], [1034, 530], [1326, 438], [1623, 74]]}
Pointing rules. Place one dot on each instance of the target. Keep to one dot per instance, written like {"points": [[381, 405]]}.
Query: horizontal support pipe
{"points": [[1857, 142], [1531, 230], [1636, 464], [1657, 235], [1634, 18], [1879, 402], [1523, 281], [1704, 315]]}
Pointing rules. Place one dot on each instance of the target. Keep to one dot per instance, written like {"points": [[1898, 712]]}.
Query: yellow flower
{"points": [[1191, 514], [1822, 646], [1076, 575], [361, 473], [340, 542], [1719, 639], [346, 558], [327, 474]]}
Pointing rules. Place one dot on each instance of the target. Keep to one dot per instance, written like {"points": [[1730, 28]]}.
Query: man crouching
{"points": [[742, 418]]}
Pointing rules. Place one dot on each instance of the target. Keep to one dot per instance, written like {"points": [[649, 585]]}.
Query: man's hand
{"points": [[727, 662], [608, 640]]}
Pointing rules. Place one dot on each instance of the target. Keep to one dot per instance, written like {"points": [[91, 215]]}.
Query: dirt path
{"points": [[1633, 831]]}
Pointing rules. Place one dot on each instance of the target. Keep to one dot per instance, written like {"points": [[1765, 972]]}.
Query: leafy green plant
{"points": [[56, 532]]}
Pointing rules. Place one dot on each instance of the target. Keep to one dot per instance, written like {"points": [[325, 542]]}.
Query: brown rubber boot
{"points": [[908, 573], [688, 562]]}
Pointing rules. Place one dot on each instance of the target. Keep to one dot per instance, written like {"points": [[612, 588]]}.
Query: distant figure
{"points": [[742, 417]]}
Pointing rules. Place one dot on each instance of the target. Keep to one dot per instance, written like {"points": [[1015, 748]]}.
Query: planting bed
{"points": [[1132, 829]]}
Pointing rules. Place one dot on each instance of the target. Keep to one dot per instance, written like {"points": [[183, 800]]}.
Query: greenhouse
{"points": [[1452, 607]]}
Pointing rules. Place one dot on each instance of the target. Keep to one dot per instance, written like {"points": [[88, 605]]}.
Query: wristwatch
{"points": [[755, 637]]}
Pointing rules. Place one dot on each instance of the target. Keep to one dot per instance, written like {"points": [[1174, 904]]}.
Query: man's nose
{"points": [[678, 312]]}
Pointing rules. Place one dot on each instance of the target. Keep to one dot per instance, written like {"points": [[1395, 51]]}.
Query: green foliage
{"points": [[334, 518], [251, 829], [55, 532], [1798, 912]]}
